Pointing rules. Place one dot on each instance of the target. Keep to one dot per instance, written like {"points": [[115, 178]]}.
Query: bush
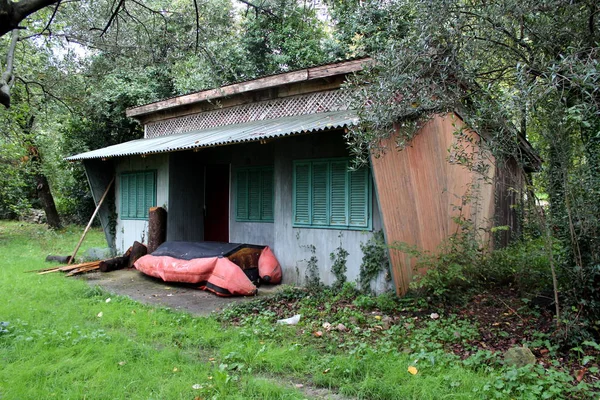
{"points": [[462, 266], [449, 273], [523, 265]]}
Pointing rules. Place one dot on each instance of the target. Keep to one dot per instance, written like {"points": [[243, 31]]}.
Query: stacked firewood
{"points": [[71, 269], [112, 264]]}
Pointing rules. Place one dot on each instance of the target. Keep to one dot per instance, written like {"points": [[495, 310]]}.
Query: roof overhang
{"points": [[225, 135], [306, 74]]}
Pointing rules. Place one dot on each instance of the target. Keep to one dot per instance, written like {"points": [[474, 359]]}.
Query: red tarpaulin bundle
{"points": [[216, 274], [269, 269]]}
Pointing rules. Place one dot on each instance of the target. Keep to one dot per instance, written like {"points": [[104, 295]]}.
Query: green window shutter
{"points": [[359, 198], [254, 195], [320, 193], [150, 192], [141, 199], [124, 188], [339, 193], [266, 212], [132, 203], [132, 196], [138, 194], [328, 194], [302, 193], [242, 195]]}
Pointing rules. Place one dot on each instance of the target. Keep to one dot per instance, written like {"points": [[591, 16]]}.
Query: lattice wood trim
{"points": [[334, 100]]}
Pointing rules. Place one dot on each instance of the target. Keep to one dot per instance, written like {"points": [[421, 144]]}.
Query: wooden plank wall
{"points": [[510, 181], [419, 191]]}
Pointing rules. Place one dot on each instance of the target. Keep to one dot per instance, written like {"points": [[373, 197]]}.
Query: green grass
{"points": [[58, 345]]}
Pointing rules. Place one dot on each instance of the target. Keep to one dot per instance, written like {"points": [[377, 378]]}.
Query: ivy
{"points": [[374, 262]]}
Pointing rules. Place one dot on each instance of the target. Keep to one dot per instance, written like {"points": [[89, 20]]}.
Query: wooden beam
{"points": [[307, 74]]}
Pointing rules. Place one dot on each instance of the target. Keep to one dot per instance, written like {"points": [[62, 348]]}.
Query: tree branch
{"points": [[112, 17], [197, 24], [258, 8], [46, 93], [11, 13], [47, 27], [8, 78]]}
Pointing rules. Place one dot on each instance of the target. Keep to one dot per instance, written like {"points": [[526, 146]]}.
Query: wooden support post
{"points": [[87, 228], [157, 228]]}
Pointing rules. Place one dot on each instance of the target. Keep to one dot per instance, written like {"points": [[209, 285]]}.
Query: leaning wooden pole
{"points": [[87, 228]]}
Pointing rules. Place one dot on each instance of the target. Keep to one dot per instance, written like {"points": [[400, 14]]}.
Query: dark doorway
{"points": [[216, 211]]}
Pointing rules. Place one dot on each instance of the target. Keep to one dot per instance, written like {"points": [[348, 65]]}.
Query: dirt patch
{"points": [[148, 290]]}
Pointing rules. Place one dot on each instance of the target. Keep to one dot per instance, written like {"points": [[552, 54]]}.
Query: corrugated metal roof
{"points": [[230, 134]]}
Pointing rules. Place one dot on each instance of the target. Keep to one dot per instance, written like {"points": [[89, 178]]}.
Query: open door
{"points": [[216, 206]]}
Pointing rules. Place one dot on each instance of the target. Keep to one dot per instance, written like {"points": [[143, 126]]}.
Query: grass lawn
{"points": [[66, 340]]}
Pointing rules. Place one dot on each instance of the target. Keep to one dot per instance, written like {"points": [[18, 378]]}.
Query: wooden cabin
{"points": [[265, 162]]}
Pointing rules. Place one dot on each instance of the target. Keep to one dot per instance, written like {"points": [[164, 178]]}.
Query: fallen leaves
{"points": [[413, 370]]}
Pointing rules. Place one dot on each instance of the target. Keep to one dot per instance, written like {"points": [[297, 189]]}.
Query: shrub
{"points": [[524, 265]]}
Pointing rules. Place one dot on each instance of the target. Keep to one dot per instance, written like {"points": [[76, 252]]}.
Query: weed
{"points": [[312, 278], [339, 258]]}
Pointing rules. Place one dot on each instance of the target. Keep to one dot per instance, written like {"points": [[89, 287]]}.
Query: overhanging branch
{"points": [[12, 13], [8, 78]]}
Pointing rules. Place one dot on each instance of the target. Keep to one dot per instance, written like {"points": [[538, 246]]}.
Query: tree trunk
{"points": [[114, 264], [157, 228], [47, 200], [41, 182], [137, 250]]}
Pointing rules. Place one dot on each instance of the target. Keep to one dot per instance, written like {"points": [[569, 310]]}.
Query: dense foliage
{"points": [[513, 69]]}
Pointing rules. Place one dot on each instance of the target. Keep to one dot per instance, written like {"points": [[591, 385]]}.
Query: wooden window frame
{"points": [[126, 190], [239, 217], [329, 200]]}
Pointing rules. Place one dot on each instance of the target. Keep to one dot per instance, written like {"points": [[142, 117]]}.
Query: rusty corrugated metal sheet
{"points": [[230, 134], [420, 193]]}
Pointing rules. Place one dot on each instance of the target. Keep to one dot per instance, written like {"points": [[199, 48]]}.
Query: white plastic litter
{"points": [[289, 321]]}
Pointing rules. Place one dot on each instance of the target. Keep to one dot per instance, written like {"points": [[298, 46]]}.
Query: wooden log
{"points": [[138, 250], [114, 264], [157, 228], [59, 259]]}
